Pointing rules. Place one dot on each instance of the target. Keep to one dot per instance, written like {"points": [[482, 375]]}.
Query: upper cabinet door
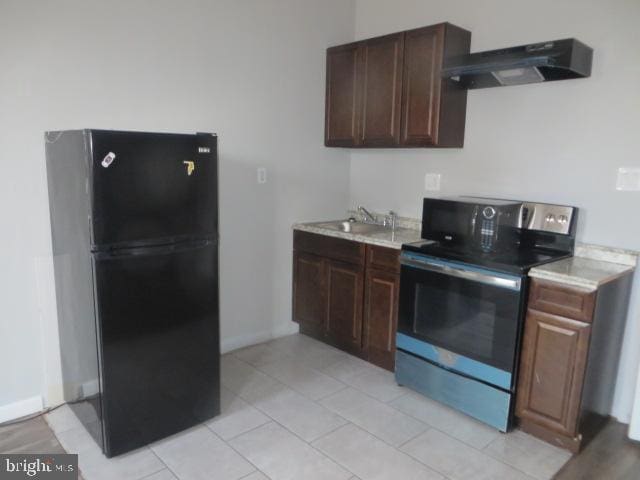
{"points": [[382, 90], [433, 109], [421, 85], [342, 96]]}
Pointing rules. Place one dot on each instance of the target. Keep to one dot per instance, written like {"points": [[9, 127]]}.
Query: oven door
{"points": [[464, 318]]}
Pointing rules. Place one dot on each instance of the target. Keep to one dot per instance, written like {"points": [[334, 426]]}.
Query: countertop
{"points": [[591, 267], [387, 238]]}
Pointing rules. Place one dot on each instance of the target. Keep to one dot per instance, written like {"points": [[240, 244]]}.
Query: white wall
{"points": [[557, 142], [253, 71], [250, 70]]}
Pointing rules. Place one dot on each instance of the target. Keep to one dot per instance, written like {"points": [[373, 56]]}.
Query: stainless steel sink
{"points": [[354, 227]]}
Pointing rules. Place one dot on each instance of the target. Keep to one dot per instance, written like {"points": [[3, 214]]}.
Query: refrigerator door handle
{"points": [[155, 250]]}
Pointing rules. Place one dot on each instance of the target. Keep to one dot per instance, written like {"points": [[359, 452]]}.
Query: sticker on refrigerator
{"points": [[191, 166], [108, 159]]}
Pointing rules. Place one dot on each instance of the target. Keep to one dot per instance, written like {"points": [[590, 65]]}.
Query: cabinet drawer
{"points": [[383, 258], [329, 247], [561, 300]]}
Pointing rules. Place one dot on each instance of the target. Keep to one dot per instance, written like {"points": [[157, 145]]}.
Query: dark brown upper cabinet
{"points": [[343, 96], [381, 90], [388, 91]]}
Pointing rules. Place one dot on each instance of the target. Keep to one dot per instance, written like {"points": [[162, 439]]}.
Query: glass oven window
{"points": [[456, 320], [466, 317]]}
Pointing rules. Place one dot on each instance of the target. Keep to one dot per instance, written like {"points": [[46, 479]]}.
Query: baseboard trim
{"points": [[285, 329], [21, 408], [234, 343]]}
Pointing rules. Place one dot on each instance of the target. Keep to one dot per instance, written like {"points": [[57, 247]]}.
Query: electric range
{"points": [[463, 291]]}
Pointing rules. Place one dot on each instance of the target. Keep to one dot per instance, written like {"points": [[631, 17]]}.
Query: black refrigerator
{"points": [[134, 219]]}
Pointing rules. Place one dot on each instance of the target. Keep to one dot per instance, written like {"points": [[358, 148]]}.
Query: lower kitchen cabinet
{"points": [[309, 293], [381, 316], [344, 305], [345, 293], [569, 360], [554, 355]]}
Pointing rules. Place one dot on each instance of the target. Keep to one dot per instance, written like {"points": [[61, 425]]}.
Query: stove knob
{"points": [[489, 212], [550, 218], [563, 219]]}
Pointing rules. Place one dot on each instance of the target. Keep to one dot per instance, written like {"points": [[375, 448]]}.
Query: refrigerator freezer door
{"points": [[152, 188], [157, 312]]}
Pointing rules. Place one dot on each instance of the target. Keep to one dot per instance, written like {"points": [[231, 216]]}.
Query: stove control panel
{"points": [[547, 218]]}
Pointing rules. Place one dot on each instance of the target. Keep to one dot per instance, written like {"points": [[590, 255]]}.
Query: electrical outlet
{"points": [[432, 182], [628, 179], [262, 175]]}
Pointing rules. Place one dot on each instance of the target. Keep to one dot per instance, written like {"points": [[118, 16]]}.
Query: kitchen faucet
{"points": [[368, 217]]}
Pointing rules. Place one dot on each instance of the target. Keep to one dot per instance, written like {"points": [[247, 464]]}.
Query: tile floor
{"points": [[294, 408]]}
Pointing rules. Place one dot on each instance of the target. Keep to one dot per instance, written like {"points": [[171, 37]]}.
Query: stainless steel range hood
{"points": [[538, 62]]}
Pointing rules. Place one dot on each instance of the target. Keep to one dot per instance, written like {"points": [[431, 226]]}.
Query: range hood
{"points": [[538, 62]]}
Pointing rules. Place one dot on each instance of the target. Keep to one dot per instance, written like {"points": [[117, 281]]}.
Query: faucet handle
{"points": [[390, 220]]}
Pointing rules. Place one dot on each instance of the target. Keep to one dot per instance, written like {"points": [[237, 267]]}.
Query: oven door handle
{"points": [[473, 275]]}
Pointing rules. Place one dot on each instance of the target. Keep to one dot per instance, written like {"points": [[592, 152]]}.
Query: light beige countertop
{"points": [[591, 267], [384, 237]]}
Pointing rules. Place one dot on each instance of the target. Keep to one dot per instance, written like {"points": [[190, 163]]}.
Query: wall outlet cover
{"points": [[628, 179], [262, 175], [432, 182]]}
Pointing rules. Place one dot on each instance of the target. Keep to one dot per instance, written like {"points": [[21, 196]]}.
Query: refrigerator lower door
{"points": [[158, 341]]}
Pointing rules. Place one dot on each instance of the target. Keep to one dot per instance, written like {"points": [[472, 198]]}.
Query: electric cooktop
{"points": [[517, 260]]}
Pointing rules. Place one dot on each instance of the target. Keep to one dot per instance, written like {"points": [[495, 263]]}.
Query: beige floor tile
{"points": [[526, 453], [62, 419], [283, 456], [385, 422], [296, 412], [161, 475], [370, 458], [308, 351], [447, 420], [198, 454], [307, 381], [257, 475], [349, 368], [299, 345], [457, 460], [245, 380], [260, 354], [95, 466], [237, 417], [379, 384], [319, 358]]}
